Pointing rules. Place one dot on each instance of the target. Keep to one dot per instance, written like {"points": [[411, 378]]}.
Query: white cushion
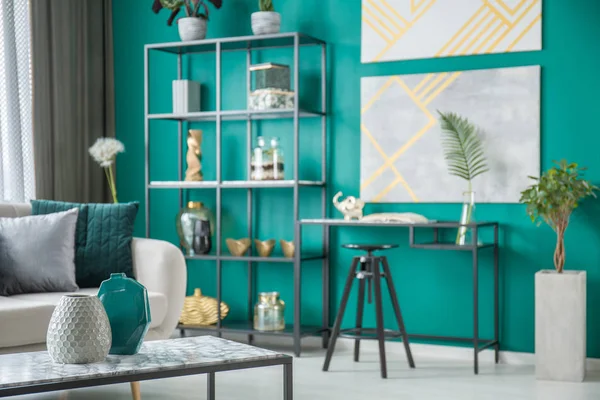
{"points": [[23, 322], [158, 303]]}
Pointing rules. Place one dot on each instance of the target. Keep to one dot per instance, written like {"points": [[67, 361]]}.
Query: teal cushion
{"points": [[103, 238]]}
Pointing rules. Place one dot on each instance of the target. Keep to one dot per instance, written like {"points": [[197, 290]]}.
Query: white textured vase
{"points": [[79, 331], [560, 325], [191, 28], [266, 22]]}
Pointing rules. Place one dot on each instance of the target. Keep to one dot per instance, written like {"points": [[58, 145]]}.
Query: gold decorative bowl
{"points": [[238, 247], [288, 248], [264, 248], [201, 310]]}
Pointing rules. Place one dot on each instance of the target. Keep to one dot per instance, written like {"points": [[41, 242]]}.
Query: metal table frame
{"points": [[284, 360], [479, 344]]}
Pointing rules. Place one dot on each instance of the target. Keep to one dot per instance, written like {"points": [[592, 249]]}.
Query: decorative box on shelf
{"points": [[269, 99], [271, 75]]}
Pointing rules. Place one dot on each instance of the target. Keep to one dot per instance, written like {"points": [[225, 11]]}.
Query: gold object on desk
{"points": [[201, 310], [288, 248], [238, 247], [264, 248], [194, 156]]}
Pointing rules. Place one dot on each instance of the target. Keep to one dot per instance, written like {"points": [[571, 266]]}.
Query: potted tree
{"points": [[560, 296], [266, 20], [193, 25]]}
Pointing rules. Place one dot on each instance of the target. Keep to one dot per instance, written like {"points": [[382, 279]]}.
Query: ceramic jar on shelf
{"points": [[267, 163], [195, 226]]}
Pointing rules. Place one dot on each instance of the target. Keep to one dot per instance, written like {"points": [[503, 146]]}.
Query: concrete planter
{"points": [[191, 28], [560, 325], [266, 22]]}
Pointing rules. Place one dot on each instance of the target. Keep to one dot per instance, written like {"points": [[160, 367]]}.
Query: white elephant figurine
{"points": [[351, 207]]}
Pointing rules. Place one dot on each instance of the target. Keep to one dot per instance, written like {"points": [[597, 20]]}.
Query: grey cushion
{"points": [[37, 253]]}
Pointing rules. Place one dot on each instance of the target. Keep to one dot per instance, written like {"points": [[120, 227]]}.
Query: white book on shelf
{"points": [[186, 96]]}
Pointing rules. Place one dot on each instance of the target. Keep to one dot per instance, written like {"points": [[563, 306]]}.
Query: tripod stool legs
{"points": [[396, 305], [338, 319]]}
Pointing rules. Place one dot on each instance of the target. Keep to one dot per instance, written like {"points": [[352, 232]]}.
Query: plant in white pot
{"points": [[266, 20], [560, 296], [193, 25]]}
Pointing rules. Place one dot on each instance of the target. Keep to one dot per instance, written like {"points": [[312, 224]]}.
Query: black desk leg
{"points": [[496, 300], [288, 382], [210, 386], [475, 302], [325, 288]]}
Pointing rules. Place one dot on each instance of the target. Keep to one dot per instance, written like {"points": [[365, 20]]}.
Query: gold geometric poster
{"points": [[401, 155], [411, 29]]}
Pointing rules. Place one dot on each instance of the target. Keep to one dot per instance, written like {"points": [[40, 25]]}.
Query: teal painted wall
{"points": [[434, 287]]}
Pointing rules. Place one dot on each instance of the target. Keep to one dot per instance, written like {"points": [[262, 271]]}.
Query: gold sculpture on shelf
{"points": [[201, 310], [194, 156]]}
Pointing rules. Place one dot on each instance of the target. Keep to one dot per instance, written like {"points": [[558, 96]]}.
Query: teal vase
{"points": [[126, 303]]}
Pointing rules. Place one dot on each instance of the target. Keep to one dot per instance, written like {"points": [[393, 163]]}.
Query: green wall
{"points": [[434, 287]]}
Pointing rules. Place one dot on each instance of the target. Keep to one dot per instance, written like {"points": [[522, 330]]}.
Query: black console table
{"points": [[436, 243]]}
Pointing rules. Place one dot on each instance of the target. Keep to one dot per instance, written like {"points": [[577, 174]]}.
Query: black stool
{"points": [[369, 270]]}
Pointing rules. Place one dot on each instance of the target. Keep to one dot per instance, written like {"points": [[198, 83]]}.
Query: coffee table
{"points": [[26, 373]]}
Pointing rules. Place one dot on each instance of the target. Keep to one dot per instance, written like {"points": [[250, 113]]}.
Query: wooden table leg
{"points": [[136, 393]]}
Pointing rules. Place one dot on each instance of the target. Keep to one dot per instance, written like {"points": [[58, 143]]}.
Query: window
{"points": [[16, 129]]}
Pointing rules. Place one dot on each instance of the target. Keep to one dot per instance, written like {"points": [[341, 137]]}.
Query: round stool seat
{"points": [[369, 247]]}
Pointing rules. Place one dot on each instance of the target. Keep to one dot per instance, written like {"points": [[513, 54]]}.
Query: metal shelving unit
{"points": [[248, 44]]}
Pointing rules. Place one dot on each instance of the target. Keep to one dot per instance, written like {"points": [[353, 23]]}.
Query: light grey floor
{"points": [[432, 379]]}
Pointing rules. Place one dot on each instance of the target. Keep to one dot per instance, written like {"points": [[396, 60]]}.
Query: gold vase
{"points": [[238, 247], [288, 248], [201, 310], [264, 248]]}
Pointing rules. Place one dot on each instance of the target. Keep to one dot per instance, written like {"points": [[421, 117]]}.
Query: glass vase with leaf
{"points": [[464, 155]]}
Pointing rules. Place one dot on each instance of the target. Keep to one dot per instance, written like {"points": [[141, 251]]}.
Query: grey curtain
{"points": [[73, 96]]}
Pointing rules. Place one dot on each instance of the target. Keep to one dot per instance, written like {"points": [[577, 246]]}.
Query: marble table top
{"points": [[25, 369]]}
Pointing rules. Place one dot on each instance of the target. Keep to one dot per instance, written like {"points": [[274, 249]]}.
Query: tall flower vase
{"points": [[467, 216]]}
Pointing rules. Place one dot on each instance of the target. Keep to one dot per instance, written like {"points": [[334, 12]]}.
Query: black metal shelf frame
{"points": [[248, 44]]}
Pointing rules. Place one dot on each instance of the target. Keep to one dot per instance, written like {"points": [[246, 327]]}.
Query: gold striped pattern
{"points": [[494, 18], [483, 32]]}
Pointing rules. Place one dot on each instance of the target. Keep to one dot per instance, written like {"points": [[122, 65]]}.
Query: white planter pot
{"points": [[265, 22], [191, 28], [560, 325], [79, 331]]}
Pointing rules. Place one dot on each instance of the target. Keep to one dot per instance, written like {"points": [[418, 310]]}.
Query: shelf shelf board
{"points": [[231, 184], [246, 327], [449, 246], [275, 258], [238, 43], [234, 115]]}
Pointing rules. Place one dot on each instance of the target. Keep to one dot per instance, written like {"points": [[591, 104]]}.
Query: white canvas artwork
{"points": [[411, 29], [401, 153]]}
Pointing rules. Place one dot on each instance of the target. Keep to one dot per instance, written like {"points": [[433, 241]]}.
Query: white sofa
{"points": [[158, 265]]}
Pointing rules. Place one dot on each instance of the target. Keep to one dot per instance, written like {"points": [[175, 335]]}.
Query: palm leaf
{"points": [[462, 146]]}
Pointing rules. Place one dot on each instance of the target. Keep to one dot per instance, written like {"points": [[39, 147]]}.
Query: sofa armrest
{"points": [[160, 267]]}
